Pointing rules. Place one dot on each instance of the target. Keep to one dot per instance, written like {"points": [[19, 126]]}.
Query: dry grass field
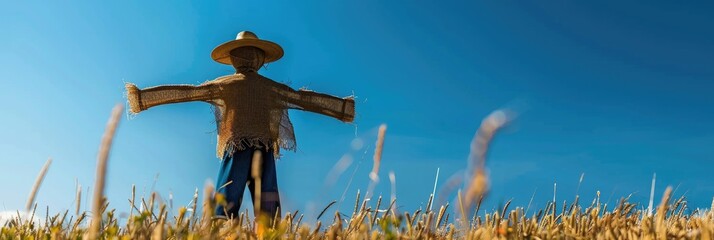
{"points": [[150, 219]]}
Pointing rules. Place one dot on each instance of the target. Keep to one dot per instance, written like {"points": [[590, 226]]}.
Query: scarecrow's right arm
{"points": [[142, 99]]}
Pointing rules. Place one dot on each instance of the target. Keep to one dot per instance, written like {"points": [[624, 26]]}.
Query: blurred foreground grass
{"points": [[567, 221], [672, 219]]}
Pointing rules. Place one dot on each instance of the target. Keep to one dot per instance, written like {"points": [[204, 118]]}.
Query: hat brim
{"points": [[272, 50]]}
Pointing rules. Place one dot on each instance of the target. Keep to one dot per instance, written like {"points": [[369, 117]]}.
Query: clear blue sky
{"points": [[615, 90]]}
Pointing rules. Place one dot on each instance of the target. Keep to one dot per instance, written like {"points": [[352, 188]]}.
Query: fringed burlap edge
{"points": [[132, 95], [226, 149]]}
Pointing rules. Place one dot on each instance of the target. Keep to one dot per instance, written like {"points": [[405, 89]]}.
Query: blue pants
{"points": [[236, 167]]}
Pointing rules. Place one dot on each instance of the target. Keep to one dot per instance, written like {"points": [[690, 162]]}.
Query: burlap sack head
{"points": [[247, 58]]}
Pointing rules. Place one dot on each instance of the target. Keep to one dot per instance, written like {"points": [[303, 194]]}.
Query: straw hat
{"points": [[272, 50]]}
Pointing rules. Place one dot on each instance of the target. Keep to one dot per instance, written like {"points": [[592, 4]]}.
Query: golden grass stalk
{"points": [[652, 191], [225, 185], [102, 159], [78, 198], [132, 200], [194, 206], [462, 210], [376, 211], [393, 182], [436, 181], [377, 160], [378, 149], [356, 204], [428, 203], [489, 126], [256, 170], [476, 188], [36, 186], [661, 214], [439, 217], [208, 206], [158, 232], [478, 184]]}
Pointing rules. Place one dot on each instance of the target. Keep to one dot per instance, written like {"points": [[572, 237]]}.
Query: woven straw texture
{"points": [[251, 110]]}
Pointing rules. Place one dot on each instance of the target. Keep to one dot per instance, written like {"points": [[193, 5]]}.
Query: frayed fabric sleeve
{"points": [[142, 99], [342, 109]]}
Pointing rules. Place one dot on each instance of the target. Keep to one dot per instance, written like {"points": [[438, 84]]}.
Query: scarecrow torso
{"points": [[251, 113]]}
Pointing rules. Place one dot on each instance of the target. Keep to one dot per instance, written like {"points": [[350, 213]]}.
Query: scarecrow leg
{"points": [[269, 197], [233, 175]]}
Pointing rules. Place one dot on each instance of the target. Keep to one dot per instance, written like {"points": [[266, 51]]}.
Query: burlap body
{"points": [[251, 110]]}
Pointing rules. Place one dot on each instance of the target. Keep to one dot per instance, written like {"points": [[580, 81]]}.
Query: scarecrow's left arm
{"points": [[142, 99], [342, 109]]}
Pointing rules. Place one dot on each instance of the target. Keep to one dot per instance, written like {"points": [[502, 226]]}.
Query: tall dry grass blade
{"points": [[158, 231], [208, 206], [389, 209], [661, 214], [376, 211], [409, 221], [377, 161], [478, 207], [47, 216], [32, 214], [652, 191], [439, 217], [462, 210], [78, 199], [531, 201], [428, 203], [711, 209], [356, 204], [36, 186], [393, 182], [476, 188], [481, 141], [577, 189], [225, 185], [171, 201], [325, 209], [276, 218], [256, 170], [132, 200], [194, 206], [152, 199], [379, 145], [318, 225], [436, 180], [505, 209], [297, 224], [102, 159], [478, 184]]}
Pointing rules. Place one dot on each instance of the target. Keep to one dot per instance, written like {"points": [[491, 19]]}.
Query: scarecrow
{"points": [[251, 116]]}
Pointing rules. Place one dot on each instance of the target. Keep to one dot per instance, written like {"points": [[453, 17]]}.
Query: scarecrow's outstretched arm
{"points": [[340, 108], [142, 99]]}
